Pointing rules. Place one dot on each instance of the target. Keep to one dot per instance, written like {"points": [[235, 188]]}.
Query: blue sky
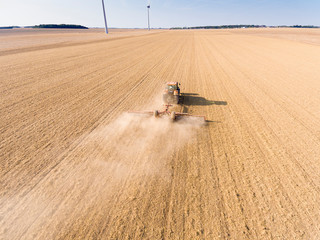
{"points": [[164, 13]]}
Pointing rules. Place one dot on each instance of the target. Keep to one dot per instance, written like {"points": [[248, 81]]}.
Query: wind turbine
{"points": [[148, 7], [105, 18]]}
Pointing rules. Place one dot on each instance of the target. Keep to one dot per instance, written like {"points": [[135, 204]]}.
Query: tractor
{"points": [[171, 93], [171, 97]]}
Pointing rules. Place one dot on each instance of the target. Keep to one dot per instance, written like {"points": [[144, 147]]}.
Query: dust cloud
{"points": [[142, 145], [125, 154]]}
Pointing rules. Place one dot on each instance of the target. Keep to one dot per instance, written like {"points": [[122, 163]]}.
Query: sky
{"points": [[163, 13]]}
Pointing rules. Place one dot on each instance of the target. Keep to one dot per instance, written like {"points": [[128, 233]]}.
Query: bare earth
{"points": [[74, 165]]}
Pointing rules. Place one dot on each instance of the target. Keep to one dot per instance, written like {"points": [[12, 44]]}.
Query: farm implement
{"points": [[171, 97]]}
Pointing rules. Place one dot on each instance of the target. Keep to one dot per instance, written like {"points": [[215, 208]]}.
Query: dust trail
{"points": [[144, 142], [125, 154]]}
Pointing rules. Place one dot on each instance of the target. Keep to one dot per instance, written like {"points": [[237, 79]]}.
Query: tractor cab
{"points": [[171, 93], [172, 86]]}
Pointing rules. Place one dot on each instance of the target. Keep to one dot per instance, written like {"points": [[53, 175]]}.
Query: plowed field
{"points": [[75, 165]]}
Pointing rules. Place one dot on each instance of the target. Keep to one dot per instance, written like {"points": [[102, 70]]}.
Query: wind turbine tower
{"points": [[148, 7], [105, 18]]}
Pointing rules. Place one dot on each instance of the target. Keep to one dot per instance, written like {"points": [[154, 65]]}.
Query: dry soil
{"points": [[75, 165]]}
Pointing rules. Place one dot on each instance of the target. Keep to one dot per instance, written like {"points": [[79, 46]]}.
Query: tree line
{"points": [[73, 26], [244, 26]]}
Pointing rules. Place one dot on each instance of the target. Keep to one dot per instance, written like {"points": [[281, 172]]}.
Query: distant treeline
{"points": [[306, 26], [73, 26], [10, 27], [221, 27], [243, 26]]}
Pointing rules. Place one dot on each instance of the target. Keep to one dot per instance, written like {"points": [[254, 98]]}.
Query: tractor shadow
{"points": [[189, 94], [193, 99]]}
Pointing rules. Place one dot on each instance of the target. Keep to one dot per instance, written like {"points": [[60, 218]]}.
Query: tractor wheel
{"points": [[176, 99], [181, 99], [173, 116]]}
